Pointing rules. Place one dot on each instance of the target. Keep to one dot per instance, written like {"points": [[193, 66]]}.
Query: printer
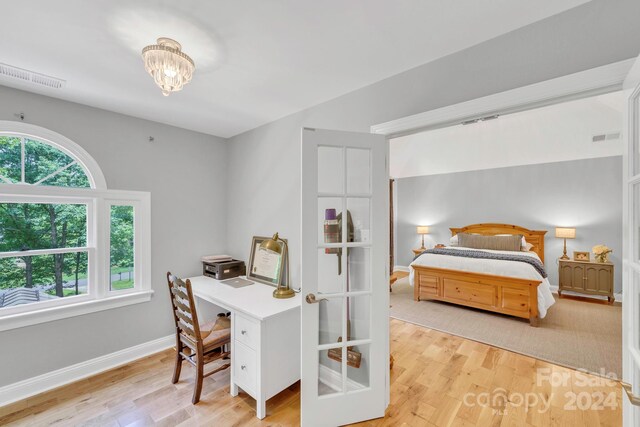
{"points": [[221, 270]]}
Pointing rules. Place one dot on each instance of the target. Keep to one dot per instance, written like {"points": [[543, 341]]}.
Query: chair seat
{"points": [[219, 333]]}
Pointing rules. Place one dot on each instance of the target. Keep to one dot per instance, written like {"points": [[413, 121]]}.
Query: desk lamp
{"points": [[278, 246]]}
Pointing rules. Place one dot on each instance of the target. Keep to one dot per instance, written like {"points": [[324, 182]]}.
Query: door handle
{"points": [[635, 400], [311, 299]]}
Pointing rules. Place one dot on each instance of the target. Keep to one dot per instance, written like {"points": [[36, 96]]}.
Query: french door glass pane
{"points": [[32, 279], [330, 314], [361, 219], [330, 170], [331, 264], [329, 220], [30, 226], [359, 317], [359, 269], [358, 171], [330, 371], [122, 248], [358, 375]]}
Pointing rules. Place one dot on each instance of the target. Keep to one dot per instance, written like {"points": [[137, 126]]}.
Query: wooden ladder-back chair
{"points": [[195, 343]]}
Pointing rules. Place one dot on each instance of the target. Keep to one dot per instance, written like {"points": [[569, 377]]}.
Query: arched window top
{"points": [[36, 156]]}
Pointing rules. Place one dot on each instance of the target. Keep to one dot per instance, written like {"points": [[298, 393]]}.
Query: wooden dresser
{"points": [[593, 278]]}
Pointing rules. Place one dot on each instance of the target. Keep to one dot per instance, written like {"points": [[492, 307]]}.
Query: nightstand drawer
{"points": [[246, 331], [245, 367]]}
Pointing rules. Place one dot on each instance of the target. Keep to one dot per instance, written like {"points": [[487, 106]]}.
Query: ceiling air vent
{"points": [[606, 137], [27, 76]]}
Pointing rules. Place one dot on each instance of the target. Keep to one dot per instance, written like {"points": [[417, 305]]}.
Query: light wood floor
{"points": [[432, 374]]}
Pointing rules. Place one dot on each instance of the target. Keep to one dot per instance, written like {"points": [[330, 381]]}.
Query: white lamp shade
{"points": [[422, 229], [565, 233]]}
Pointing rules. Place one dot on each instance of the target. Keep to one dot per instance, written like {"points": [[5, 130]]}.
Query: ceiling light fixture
{"points": [[170, 68]]}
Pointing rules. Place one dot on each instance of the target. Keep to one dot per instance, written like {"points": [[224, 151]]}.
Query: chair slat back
{"points": [[184, 311]]}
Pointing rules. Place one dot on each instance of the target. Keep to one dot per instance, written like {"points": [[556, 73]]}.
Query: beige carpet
{"points": [[575, 334]]}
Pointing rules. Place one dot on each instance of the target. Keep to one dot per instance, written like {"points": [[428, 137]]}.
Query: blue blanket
{"points": [[468, 253]]}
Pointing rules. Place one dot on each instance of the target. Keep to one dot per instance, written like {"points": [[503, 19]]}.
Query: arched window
{"points": [[64, 238], [29, 161]]}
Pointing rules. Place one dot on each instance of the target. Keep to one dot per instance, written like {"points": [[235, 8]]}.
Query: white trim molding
{"points": [[30, 387], [598, 80], [49, 314]]}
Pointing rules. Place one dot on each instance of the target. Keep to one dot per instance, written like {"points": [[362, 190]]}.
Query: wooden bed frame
{"points": [[507, 295]]}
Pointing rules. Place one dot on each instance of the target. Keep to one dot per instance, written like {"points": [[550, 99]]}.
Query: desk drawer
{"points": [[245, 371], [246, 331]]}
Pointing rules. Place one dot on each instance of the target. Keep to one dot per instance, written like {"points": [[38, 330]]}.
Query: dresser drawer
{"points": [[246, 331], [245, 371]]}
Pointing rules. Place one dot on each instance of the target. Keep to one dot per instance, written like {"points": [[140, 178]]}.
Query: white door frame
{"points": [[630, 264], [608, 78], [605, 79]]}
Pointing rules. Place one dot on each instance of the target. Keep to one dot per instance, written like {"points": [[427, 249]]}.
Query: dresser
{"points": [[265, 336], [592, 278]]}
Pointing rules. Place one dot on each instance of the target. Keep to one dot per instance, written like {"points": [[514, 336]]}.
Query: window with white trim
{"points": [[67, 244]]}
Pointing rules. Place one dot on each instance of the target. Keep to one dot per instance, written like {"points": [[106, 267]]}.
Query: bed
{"points": [[501, 286]]}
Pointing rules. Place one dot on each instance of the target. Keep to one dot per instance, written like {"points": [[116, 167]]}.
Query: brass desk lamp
{"points": [[278, 246]]}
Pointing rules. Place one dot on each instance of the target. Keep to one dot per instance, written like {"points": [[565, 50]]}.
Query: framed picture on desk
{"points": [[265, 267]]}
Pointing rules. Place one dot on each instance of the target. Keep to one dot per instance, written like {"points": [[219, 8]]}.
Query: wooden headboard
{"points": [[535, 237]]}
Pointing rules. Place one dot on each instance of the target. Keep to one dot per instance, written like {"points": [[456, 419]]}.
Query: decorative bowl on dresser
{"points": [[592, 278]]}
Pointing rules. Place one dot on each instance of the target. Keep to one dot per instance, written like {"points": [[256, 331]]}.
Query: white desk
{"points": [[265, 336]]}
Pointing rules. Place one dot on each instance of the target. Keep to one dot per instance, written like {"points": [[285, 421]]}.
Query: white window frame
{"points": [[98, 200]]}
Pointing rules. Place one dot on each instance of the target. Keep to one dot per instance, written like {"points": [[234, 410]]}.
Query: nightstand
{"points": [[417, 252], [592, 278]]}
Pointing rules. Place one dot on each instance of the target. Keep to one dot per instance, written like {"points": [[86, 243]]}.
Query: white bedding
{"points": [[491, 266]]}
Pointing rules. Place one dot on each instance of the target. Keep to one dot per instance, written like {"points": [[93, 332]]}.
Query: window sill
{"points": [[19, 320]]}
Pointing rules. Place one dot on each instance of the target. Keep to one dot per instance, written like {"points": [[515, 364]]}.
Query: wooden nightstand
{"points": [[417, 252], [593, 278]]}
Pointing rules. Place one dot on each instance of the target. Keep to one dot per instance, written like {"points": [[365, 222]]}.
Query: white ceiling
{"points": [[257, 60], [554, 133]]}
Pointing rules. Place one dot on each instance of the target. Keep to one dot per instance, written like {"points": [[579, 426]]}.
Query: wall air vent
{"points": [[27, 76], [613, 136]]}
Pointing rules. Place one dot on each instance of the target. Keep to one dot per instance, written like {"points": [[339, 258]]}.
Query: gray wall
{"points": [[186, 174], [263, 199], [585, 194]]}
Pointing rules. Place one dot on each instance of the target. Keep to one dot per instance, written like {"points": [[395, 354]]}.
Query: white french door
{"points": [[631, 251], [345, 248]]}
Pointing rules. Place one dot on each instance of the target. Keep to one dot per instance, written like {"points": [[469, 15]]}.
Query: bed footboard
{"points": [[507, 295]]}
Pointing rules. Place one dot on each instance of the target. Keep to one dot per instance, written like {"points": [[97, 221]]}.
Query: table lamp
{"points": [[422, 230], [278, 246], [565, 233]]}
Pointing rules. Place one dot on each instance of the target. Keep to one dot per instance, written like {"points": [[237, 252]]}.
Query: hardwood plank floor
{"points": [[437, 380]]}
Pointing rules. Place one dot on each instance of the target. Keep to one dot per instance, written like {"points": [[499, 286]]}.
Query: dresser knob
{"points": [[243, 332], [243, 367]]}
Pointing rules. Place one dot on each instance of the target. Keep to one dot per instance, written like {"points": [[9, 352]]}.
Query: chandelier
{"points": [[170, 68]]}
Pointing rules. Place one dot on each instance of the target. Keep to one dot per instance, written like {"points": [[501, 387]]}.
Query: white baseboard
{"points": [[400, 268], [36, 385]]}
